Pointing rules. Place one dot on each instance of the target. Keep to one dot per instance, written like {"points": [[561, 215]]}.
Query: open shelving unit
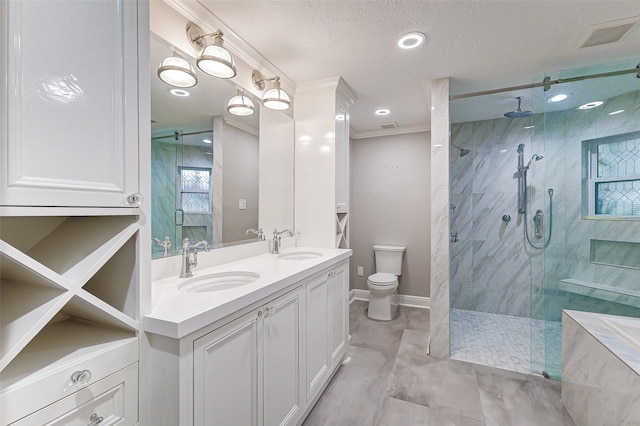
{"points": [[342, 229], [68, 294]]}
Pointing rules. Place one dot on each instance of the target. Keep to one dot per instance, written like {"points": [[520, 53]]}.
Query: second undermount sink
{"points": [[219, 281], [300, 255]]}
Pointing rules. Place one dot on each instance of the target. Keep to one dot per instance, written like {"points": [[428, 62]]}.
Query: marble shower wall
{"points": [[165, 158], [492, 267]]}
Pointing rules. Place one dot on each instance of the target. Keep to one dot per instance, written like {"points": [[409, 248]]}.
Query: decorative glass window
{"points": [[195, 189], [613, 172]]}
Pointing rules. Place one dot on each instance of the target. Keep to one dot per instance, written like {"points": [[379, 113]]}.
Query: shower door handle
{"points": [[538, 222], [453, 237]]}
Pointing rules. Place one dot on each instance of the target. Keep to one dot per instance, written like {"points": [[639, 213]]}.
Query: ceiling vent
{"points": [[389, 125], [608, 32]]}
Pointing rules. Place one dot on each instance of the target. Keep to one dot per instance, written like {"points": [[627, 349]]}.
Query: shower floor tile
{"points": [[504, 341]]}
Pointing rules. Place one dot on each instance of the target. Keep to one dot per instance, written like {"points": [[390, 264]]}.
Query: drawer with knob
{"points": [[112, 400], [41, 377]]}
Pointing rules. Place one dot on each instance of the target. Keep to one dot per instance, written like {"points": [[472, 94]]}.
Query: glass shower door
{"points": [[167, 217]]}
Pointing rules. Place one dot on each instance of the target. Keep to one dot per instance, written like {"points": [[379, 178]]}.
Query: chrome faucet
{"points": [[276, 239], [259, 233], [166, 244], [187, 263]]}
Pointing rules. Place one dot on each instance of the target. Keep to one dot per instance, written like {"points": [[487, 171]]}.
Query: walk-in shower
{"points": [[558, 232]]}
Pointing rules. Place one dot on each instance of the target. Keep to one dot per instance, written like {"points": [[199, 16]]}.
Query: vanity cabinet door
{"points": [[225, 374], [282, 359], [69, 104], [317, 334], [338, 313]]}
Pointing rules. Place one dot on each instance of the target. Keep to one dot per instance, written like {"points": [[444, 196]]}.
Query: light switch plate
{"points": [[242, 204]]}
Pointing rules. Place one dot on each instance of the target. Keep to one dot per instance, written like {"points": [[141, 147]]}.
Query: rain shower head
{"points": [[518, 113], [463, 151]]}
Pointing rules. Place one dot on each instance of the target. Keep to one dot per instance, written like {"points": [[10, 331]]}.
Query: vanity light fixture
{"points": [[274, 98], [177, 71], [590, 105], [411, 40], [240, 105], [213, 59]]}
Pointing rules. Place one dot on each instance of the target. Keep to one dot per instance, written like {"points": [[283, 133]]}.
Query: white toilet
{"points": [[383, 284]]}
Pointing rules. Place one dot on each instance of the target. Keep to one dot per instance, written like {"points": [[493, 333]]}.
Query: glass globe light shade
{"points": [[178, 72], [276, 98], [215, 60], [240, 105]]}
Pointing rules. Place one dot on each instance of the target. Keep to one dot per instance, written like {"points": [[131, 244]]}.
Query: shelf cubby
{"points": [[342, 223], [115, 282], [79, 246], [80, 269], [24, 310]]}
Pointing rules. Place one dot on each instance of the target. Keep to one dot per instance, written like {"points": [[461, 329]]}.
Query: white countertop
{"points": [[619, 346], [177, 313]]}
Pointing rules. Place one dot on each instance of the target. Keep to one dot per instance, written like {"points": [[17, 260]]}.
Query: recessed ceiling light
{"points": [[590, 105], [383, 111], [411, 40], [528, 127], [179, 92], [616, 112], [558, 98], [502, 151], [207, 141]]}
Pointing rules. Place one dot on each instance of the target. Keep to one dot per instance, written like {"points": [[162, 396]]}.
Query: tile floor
{"points": [[504, 341], [391, 381]]}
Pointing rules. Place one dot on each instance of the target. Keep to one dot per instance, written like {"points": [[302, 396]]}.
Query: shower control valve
{"points": [[506, 219], [453, 237]]}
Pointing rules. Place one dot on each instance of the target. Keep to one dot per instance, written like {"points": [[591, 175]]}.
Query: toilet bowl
{"points": [[382, 288], [383, 284]]}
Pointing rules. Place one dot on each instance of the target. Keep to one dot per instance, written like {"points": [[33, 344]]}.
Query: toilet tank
{"points": [[389, 259]]}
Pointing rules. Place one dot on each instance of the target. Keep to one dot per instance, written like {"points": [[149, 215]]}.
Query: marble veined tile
{"points": [[500, 266], [488, 210]]}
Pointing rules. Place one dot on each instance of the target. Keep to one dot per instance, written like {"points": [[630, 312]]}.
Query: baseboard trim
{"points": [[403, 299]]}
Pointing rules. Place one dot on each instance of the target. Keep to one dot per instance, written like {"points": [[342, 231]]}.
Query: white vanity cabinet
{"points": [[264, 364], [326, 326], [247, 372], [69, 105]]}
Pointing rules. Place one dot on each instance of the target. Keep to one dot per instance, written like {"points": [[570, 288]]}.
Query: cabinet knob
{"points": [[135, 199], [266, 312], [80, 378], [259, 314], [95, 420]]}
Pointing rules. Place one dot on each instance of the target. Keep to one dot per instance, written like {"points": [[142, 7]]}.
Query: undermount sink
{"points": [[219, 281], [300, 255]]}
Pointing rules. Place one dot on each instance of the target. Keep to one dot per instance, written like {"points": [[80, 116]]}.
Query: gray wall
{"points": [[240, 180], [491, 266], [390, 178]]}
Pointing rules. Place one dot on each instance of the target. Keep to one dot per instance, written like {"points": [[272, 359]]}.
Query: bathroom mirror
{"points": [[205, 162]]}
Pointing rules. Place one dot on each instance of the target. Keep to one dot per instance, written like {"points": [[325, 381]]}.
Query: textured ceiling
{"points": [[479, 44]]}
